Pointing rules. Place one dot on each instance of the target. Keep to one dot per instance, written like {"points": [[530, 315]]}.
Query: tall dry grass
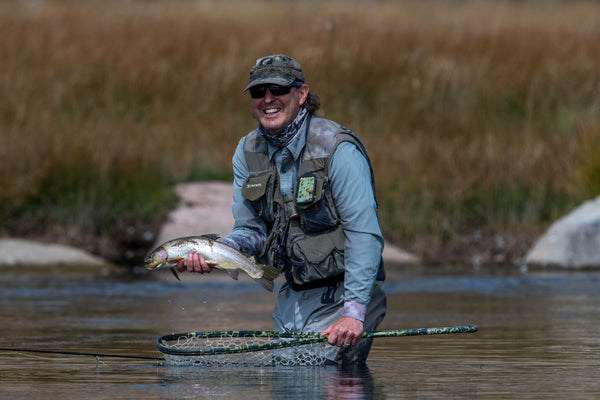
{"points": [[479, 116]]}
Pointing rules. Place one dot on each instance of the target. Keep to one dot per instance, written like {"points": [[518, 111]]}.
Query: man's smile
{"points": [[271, 110]]}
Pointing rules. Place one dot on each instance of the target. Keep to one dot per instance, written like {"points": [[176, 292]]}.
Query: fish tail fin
{"points": [[269, 275]]}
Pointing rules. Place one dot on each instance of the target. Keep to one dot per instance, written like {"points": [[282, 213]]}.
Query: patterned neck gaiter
{"points": [[288, 133]]}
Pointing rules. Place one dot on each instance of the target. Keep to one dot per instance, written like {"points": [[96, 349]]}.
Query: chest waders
{"points": [[306, 239]]}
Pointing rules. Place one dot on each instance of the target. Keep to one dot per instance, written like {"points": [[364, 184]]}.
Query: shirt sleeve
{"points": [[352, 191], [249, 231]]}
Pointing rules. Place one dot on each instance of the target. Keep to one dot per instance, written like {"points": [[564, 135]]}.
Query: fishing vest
{"points": [[305, 239]]}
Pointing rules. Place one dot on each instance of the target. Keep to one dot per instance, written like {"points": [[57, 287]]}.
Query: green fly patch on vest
{"points": [[306, 189]]}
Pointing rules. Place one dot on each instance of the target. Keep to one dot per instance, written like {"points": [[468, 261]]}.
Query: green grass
{"points": [[478, 116]]}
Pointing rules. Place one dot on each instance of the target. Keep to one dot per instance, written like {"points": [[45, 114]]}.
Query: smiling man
{"points": [[276, 111], [304, 202]]}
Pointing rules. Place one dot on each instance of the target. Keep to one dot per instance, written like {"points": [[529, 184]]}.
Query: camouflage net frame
{"points": [[265, 348]]}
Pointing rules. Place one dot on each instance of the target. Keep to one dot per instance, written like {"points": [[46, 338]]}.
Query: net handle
{"points": [[299, 338]]}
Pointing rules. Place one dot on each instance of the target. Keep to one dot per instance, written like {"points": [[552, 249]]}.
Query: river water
{"points": [[538, 338]]}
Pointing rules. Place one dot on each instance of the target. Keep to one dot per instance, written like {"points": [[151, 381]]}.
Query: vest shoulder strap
{"points": [[256, 152]]}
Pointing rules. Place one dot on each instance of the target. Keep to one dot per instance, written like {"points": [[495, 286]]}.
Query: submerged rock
{"points": [[573, 241]]}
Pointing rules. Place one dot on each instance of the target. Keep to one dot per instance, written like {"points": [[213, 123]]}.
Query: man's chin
{"points": [[272, 129]]}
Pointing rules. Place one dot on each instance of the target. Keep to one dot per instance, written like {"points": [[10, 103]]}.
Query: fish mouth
{"points": [[152, 266]]}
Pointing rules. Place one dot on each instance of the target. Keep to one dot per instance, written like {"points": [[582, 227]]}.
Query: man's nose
{"points": [[268, 96]]}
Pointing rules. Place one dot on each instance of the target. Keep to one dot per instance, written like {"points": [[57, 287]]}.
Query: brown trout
{"points": [[216, 254]]}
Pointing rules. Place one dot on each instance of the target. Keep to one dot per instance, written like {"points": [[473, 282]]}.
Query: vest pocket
{"points": [[259, 189], [317, 257], [255, 187], [313, 202]]}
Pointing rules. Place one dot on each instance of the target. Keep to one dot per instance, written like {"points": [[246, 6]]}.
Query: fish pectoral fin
{"points": [[233, 273], [175, 274], [212, 265]]}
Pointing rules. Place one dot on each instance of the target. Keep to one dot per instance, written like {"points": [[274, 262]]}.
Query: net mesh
{"points": [[266, 347], [234, 348]]}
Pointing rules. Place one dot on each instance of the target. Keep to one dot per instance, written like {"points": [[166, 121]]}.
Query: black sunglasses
{"points": [[258, 92]]}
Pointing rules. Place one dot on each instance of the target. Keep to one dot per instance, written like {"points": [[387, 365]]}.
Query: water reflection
{"points": [[324, 382]]}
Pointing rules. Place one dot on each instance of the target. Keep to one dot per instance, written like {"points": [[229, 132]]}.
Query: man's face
{"points": [[275, 113]]}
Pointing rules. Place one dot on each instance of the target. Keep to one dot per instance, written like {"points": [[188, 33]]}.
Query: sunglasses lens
{"points": [[258, 92], [279, 90]]}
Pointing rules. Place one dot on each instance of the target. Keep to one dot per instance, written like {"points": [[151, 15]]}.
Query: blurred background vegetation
{"points": [[482, 118]]}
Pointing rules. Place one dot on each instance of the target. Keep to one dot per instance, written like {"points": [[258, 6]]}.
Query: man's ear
{"points": [[303, 93]]}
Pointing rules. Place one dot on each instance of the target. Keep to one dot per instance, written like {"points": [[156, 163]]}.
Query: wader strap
{"points": [[332, 281], [281, 255], [328, 297]]}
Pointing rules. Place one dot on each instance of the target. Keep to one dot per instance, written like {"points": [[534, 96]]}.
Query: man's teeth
{"points": [[271, 110]]}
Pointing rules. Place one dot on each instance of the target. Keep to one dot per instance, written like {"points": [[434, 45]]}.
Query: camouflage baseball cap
{"points": [[278, 69]]}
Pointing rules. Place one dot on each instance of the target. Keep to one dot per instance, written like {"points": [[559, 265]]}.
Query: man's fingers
{"points": [[189, 262], [181, 266], [344, 332], [196, 263], [205, 266]]}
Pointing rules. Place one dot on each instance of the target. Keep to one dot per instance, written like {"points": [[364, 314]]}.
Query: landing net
{"points": [[264, 348]]}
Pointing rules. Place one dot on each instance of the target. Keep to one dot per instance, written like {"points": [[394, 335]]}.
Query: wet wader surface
{"points": [[313, 310]]}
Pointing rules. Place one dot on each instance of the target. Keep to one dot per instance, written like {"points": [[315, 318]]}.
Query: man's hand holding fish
{"points": [[194, 263]]}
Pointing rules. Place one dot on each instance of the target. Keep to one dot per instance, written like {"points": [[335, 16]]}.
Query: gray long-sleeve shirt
{"points": [[350, 179]]}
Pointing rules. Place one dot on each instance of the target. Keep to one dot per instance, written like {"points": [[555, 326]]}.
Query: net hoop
{"points": [[207, 348]]}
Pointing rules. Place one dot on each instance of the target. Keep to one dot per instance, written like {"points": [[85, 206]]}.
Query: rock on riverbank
{"points": [[20, 252], [573, 241]]}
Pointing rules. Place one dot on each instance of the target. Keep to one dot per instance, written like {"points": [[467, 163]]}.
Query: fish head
{"points": [[156, 258]]}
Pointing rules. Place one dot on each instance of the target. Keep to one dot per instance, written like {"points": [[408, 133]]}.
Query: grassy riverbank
{"points": [[482, 118]]}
